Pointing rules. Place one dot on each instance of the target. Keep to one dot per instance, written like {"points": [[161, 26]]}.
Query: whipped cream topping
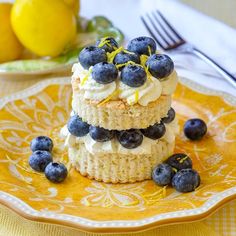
{"points": [[146, 93], [92, 89], [143, 95], [113, 146], [169, 84]]}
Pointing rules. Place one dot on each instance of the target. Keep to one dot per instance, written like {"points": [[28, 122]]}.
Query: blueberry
{"points": [[195, 129], [41, 143], [186, 180], [130, 138], [180, 161], [142, 45], [39, 160], [109, 44], [124, 57], [92, 55], [155, 131], [77, 127], [56, 172], [162, 174], [170, 116], [133, 75], [160, 65], [100, 134], [104, 73]]}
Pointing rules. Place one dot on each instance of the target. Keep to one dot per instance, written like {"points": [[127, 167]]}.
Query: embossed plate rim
{"points": [[28, 212]]}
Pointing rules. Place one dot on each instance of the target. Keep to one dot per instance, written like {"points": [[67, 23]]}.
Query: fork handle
{"points": [[229, 77]]}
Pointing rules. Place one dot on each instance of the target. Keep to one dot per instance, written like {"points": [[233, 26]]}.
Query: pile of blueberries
{"points": [[133, 75], [41, 160], [177, 169], [131, 138]]}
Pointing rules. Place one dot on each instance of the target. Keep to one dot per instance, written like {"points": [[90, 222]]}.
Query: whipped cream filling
{"points": [[143, 95], [113, 146]]}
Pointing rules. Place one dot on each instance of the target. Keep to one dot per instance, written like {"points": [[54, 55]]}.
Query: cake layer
{"points": [[116, 115], [118, 168]]}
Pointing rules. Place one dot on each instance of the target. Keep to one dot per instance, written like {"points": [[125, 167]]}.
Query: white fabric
{"points": [[211, 36]]}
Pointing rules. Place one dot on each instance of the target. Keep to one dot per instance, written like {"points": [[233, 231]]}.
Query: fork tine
{"points": [[163, 28], [151, 33], [168, 24], [157, 30]]}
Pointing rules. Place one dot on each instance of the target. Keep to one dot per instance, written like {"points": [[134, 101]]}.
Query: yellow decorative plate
{"points": [[98, 207]]}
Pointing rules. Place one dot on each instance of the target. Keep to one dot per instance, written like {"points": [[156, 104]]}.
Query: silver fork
{"points": [[169, 39]]}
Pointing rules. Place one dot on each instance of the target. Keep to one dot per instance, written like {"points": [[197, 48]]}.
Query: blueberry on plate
{"points": [[155, 131], [41, 143], [142, 45], [170, 116], [100, 134], [186, 180], [180, 161], [160, 65], [124, 57], [77, 127], [39, 160], [130, 139], [104, 73], [56, 172], [195, 129], [92, 55], [109, 44], [162, 174], [133, 75]]}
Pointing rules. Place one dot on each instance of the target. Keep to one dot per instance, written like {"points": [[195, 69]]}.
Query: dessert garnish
{"points": [[77, 127], [133, 75], [41, 159], [100, 134], [56, 172], [109, 44], [155, 131], [163, 174], [160, 66], [92, 55], [41, 143], [186, 180], [179, 161], [195, 129], [177, 171], [104, 73], [130, 138], [170, 116], [142, 45]]}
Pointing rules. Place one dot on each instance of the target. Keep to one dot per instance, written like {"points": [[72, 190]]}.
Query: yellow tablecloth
{"points": [[223, 222]]}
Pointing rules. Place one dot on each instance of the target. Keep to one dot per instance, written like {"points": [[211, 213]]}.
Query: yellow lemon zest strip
{"points": [[111, 56], [126, 51], [125, 64], [149, 51], [116, 92], [183, 159], [103, 42], [86, 77], [136, 96], [174, 169]]}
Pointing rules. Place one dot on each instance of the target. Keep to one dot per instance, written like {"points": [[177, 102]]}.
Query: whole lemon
{"points": [[45, 27], [10, 47], [74, 5]]}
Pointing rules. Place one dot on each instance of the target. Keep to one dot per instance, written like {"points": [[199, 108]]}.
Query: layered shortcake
{"points": [[122, 123]]}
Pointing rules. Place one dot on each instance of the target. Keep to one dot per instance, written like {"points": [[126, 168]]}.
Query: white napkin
{"points": [[211, 36]]}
